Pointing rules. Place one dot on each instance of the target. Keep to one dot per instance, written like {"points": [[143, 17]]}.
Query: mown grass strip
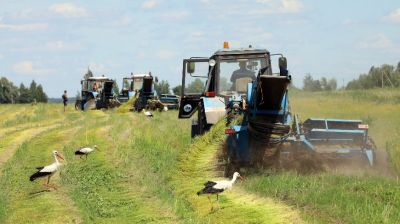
{"points": [[107, 192], [11, 142], [24, 201], [198, 166]]}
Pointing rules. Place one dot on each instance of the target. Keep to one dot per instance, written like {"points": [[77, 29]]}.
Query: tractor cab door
{"points": [[194, 84]]}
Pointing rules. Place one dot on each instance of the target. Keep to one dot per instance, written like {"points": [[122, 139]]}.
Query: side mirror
{"points": [[190, 67], [283, 66], [282, 63]]}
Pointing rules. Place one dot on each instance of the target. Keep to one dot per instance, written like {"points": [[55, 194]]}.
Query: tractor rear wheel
{"points": [[78, 105]]}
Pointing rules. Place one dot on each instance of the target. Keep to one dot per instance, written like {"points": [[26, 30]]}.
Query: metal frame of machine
{"points": [[261, 116]]}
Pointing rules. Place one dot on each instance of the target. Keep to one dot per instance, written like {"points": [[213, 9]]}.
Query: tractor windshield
{"points": [[126, 84], [234, 74], [137, 83]]}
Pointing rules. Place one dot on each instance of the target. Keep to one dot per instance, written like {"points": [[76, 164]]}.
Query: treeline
{"points": [[9, 93], [323, 84], [383, 76]]}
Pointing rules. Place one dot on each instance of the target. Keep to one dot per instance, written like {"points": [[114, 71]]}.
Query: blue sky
{"points": [[53, 42]]}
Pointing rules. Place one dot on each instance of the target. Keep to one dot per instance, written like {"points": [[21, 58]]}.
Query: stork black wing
{"points": [[39, 174], [40, 167], [78, 152], [209, 184]]}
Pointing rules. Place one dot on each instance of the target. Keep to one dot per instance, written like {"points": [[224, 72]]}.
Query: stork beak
{"points": [[60, 157], [97, 148], [242, 178]]}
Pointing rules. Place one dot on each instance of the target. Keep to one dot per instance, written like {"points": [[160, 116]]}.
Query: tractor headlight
{"points": [[187, 108]]}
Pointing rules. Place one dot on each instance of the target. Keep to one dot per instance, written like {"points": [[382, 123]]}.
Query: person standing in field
{"points": [[65, 99]]}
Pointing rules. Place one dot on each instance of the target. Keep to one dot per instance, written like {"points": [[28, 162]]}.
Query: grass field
{"points": [[149, 170]]}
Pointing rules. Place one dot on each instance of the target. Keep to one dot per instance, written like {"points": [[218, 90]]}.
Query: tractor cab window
{"points": [[196, 77], [235, 74], [137, 83], [126, 84], [84, 85]]}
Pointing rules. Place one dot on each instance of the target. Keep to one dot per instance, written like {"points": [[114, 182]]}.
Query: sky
{"points": [[54, 42]]}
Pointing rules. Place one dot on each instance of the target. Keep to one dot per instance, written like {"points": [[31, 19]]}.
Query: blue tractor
{"points": [[240, 86], [97, 93], [146, 95]]}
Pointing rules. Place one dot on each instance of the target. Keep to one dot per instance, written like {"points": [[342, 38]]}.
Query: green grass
{"points": [[22, 200], [327, 198], [199, 164], [149, 170]]}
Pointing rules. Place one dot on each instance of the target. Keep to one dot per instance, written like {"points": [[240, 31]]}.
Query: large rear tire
{"points": [[78, 105]]}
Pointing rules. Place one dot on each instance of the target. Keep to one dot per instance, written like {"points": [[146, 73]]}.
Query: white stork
{"points": [[217, 187], [147, 113], [85, 151], [48, 171]]}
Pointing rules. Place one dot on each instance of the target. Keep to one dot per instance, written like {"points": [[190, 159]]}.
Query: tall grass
{"points": [[327, 198]]}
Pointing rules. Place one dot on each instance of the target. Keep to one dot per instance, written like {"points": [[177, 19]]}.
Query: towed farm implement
{"points": [[239, 85]]}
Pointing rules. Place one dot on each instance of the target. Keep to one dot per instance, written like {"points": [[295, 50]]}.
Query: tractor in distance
{"points": [[240, 86], [146, 95], [96, 93], [130, 86]]}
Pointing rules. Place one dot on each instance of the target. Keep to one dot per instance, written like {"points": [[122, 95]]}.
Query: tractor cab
{"points": [[211, 85], [143, 86], [131, 85], [96, 93]]}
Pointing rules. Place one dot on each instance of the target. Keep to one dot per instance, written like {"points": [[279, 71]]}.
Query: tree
{"points": [[88, 74], [41, 95], [162, 87], [332, 85], [197, 86], [383, 76], [177, 90], [33, 91], [24, 94], [309, 84], [8, 92]]}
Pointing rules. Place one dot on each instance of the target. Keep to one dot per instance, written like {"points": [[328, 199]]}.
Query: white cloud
{"points": [[379, 42], [68, 10], [259, 8], [27, 68], [394, 16], [291, 6], [149, 4], [24, 27]]}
